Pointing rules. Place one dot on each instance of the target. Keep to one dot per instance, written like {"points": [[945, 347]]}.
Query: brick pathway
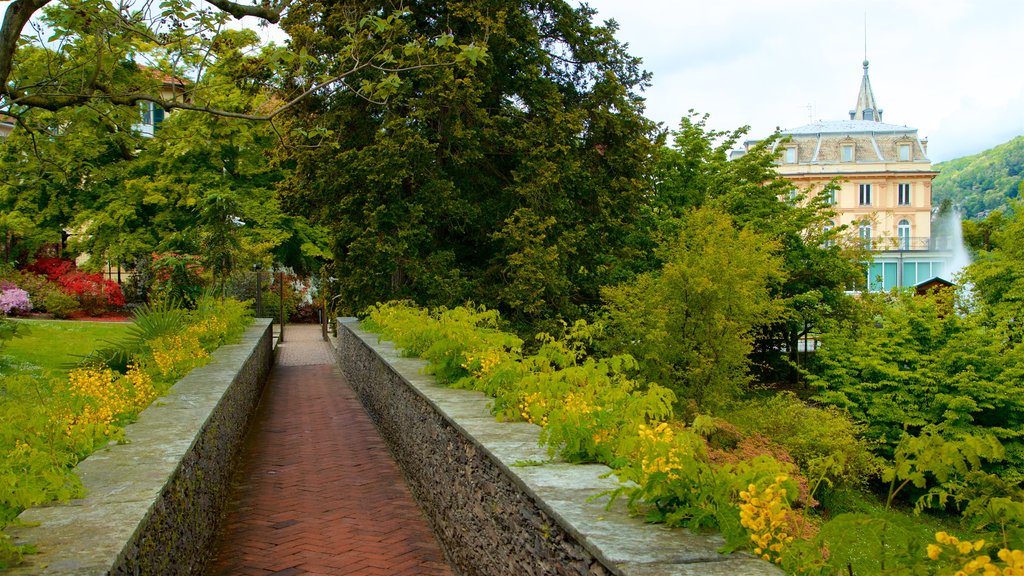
{"points": [[318, 492]]}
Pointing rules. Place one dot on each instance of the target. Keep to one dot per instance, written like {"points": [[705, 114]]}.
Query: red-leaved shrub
{"points": [[95, 293], [52, 268]]}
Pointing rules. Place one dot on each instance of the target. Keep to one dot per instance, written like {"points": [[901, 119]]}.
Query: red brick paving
{"points": [[318, 492]]}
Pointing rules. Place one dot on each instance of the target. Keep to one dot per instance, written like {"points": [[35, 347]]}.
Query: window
{"points": [[903, 194], [832, 199], [865, 235], [847, 153], [791, 155], [152, 116], [904, 150], [865, 194], [883, 276], [869, 114], [903, 233], [828, 227]]}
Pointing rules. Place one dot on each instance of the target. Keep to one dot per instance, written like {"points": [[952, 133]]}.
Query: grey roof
{"points": [[847, 127]]}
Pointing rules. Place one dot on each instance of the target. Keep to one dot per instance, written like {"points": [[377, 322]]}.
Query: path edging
{"points": [[152, 505], [496, 502]]}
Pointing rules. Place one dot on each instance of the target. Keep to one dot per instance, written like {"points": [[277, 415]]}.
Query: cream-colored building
{"points": [[885, 187]]}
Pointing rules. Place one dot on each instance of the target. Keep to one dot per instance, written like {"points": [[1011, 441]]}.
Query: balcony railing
{"points": [[919, 243]]}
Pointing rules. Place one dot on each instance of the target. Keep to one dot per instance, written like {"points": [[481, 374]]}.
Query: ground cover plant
{"points": [[52, 415], [758, 481]]}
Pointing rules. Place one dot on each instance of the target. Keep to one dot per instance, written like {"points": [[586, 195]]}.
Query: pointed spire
{"points": [[867, 108]]}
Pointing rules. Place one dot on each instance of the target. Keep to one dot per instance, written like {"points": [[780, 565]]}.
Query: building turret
{"points": [[867, 108]]}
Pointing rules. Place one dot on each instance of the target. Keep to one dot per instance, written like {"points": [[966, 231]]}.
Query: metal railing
{"points": [[908, 243]]}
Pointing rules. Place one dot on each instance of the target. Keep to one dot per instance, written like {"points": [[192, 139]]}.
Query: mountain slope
{"points": [[985, 181]]}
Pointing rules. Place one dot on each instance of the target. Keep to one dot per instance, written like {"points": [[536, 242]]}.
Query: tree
{"points": [[102, 53], [202, 185], [696, 171], [997, 276], [519, 183], [692, 323], [914, 362]]}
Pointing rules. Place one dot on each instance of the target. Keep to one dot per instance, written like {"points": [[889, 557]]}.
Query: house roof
{"points": [[848, 127]]}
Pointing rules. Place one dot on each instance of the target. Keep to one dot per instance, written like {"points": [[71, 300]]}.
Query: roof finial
{"points": [[867, 108]]}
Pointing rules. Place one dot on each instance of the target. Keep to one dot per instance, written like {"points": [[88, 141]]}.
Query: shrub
{"points": [[59, 304], [176, 278], [52, 268], [811, 435], [95, 293], [46, 296], [13, 300]]}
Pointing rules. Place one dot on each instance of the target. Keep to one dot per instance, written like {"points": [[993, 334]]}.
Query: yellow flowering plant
{"points": [[951, 555], [765, 512]]}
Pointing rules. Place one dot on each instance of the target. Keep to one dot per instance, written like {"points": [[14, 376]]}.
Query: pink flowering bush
{"points": [[13, 299]]}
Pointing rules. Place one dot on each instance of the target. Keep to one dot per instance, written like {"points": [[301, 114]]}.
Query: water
{"points": [[950, 225]]}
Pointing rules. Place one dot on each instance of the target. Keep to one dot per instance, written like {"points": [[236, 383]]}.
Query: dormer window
{"points": [[847, 153], [869, 114], [790, 155], [904, 152]]}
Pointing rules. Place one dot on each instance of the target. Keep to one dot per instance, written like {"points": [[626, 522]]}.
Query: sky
{"points": [[953, 69]]}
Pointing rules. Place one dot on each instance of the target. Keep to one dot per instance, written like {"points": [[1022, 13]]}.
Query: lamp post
{"points": [[280, 287], [259, 290]]}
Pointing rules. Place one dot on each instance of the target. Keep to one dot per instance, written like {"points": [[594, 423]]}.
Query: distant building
{"points": [[6, 125], [171, 88], [885, 192]]}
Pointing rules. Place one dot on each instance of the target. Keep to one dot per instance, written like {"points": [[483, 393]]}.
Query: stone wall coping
{"points": [[124, 481], [567, 492]]}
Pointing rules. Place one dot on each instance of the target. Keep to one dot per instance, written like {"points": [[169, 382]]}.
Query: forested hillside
{"points": [[982, 182]]}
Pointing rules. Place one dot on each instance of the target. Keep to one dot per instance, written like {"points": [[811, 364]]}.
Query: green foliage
{"points": [[177, 279], [815, 270], [50, 421], [916, 363], [930, 458], [823, 441], [519, 183], [589, 409], [692, 324], [987, 181], [997, 278], [876, 543], [151, 322]]}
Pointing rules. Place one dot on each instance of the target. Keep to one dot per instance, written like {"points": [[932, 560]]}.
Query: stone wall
{"points": [[152, 504], [498, 504]]}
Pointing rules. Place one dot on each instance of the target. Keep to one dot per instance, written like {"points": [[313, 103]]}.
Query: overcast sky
{"points": [[953, 69]]}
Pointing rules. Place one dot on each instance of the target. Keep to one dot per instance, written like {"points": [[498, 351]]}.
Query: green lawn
{"points": [[47, 346]]}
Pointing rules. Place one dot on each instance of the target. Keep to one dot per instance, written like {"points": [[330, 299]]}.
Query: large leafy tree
{"points": [[914, 362], [518, 182], [692, 323], [124, 53], [818, 267], [203, 184]]}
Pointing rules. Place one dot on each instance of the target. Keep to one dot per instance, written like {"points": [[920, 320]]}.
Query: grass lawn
{"points": [[52, 346]]}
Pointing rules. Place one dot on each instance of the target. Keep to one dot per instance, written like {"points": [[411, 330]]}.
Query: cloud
{"points": [[947, 67]]}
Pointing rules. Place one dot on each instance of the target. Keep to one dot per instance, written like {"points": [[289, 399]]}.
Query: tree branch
{"points": [[19, 12], [270, 12]]}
